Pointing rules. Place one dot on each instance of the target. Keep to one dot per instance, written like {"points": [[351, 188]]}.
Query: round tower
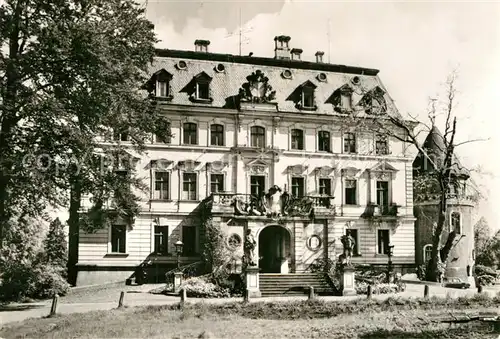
{"points": [[459, 208]]}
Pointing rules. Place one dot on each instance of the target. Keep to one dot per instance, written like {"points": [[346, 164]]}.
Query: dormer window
{"points": [[341, 99], [162, 89], [198, 88], [374, 101], [202, 90], [159, 85], [304, 97], [308, 97]]}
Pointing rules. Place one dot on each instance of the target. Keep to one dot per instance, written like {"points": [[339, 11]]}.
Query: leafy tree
{"points": [[55, 245], [70, 73], [482, 236]]}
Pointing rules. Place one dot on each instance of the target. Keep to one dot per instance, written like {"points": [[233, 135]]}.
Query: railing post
{"points": [[426, 291], [183, 295], [53, 308], [120, 301], [311, 293], [369, 292], [480, 289], [245, 295]]}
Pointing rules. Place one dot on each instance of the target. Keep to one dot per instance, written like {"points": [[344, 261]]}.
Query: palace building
{"points": [[268, 145]]}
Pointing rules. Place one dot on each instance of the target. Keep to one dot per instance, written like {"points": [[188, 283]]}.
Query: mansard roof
{"points": [[228, 79]]}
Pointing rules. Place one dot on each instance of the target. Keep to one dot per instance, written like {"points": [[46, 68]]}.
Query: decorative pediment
{"points": [[257, 166], [297, 169], [324, 170], [188, 165], [383, 167], [160, 164], [257, 89], [351, 172], [216, 166], [374, 102], [303, 96]]}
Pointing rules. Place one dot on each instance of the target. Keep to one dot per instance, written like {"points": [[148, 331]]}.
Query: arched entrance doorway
{"points": [[274, 250]]}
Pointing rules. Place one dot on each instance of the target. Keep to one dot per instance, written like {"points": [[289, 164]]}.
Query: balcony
{"points": [[272, 205]]}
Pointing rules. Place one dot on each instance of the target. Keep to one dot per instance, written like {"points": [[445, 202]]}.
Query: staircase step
{"points": [[273, 284]]}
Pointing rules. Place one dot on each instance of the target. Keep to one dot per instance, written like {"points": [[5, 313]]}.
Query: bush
{"points": [[486, 280], [199, 287], [380, 288], [21, 281], [485, 270]]}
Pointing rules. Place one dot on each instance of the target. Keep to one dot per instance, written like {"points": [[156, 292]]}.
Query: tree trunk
{"points": [[433, 273], [74, 228], [445, 251]]}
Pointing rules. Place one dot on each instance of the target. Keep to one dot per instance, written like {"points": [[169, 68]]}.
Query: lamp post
{"points": [[178, 248], [390, 253]]}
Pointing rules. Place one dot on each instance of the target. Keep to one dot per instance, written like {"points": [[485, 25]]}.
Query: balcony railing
{"points": [[270, 205]]}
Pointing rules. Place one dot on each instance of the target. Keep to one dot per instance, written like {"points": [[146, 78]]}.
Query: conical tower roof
{"points": [[435, 147]]}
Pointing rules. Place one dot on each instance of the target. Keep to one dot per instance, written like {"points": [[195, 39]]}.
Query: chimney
{"points": [[281, 50], [201, 45], [319, 56], [296, 52]]}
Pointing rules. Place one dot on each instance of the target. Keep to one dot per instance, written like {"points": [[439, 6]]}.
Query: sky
{"points": [[415, 45]]}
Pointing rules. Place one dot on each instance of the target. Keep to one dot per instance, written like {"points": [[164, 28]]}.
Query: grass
{"points": [[391, 318]]}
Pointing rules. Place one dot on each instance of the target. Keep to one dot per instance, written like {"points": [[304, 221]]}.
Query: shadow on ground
{"points": [[470, 330], [12, 308]]}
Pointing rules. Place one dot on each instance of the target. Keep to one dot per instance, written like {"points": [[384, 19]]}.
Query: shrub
{"points": [[199, 287], [21, 281], [55, 246], [486, 280], [380, 288], [485, 270]]}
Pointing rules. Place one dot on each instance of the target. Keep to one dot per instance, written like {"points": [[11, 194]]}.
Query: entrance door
{"points": [[274, 250]]}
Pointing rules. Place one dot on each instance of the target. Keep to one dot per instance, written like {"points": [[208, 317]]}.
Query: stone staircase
{"points": [[272, 284]]}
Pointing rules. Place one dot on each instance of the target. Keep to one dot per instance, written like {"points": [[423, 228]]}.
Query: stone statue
{"points": [[249, 248], [348, 242], [273, 198]]}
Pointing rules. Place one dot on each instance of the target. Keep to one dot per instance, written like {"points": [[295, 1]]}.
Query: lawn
{"points": [[392, 318]]}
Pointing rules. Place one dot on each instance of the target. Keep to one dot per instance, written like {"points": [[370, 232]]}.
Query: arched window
{"points": [[427, 252], [258, 136], [456, 223], [216, 135], [190, 133], [297, 139]]}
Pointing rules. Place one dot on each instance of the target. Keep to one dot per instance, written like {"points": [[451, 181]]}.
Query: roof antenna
{"points": [[329, 40], [241, 38]]}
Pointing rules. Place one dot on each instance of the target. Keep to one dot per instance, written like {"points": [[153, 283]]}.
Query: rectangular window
{"points": [[325, 186], [257, 185], [324, 141], [216, 183], [383, 196], [118, 238], [350, 192], [202, 90], [258, 136], [383, 242], [297, 139], [354, 233], [308, 97], [189, 240], [161, 239], [216, 135], [162, 186], [189, 186], [190, 133], [162, 88], [455, 222], [349, 143], [298, 187], [381, 147]]}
